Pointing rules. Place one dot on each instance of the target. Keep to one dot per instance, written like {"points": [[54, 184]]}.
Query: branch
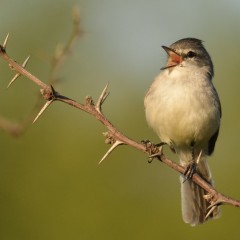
{"points": [[113, 136], [61, 53], [11, 127]]}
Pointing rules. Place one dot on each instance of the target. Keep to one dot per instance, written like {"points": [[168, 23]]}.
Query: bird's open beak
{"points": [[174, 58]]}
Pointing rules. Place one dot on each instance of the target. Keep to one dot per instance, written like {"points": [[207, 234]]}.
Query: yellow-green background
{"points": [[51, 186]]}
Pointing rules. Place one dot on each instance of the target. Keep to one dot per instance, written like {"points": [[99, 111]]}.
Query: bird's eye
{"points": [[191, 54]]}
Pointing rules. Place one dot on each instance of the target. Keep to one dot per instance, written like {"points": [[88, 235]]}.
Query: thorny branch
{"points": [[60, 54], [113, 136]]}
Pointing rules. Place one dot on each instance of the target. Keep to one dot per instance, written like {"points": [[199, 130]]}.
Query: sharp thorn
{"points": [[5, 42], [215, 204], [102, 98], [18, 74], [42, 110], [117, 143], [25, 62], [14, 78], [54, 93], [210, 211], [199, 157], [104, 93]]}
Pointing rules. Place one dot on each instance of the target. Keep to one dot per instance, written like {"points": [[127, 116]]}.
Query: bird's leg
{"points": [[192, 166]]}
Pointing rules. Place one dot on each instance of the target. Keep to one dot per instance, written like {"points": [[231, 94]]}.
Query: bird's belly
{"points": [[181, 116]]}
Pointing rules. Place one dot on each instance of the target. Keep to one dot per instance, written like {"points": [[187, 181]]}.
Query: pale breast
{"points": [[182, 110]]}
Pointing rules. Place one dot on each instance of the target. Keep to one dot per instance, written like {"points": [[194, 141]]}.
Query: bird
{"points": [[183, 108]]}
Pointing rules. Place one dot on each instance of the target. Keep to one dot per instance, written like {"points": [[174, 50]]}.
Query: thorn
{"points": [[5, 42], [25, 62], [14, 78], [215, 204], [117, 143], [210, 211], [18, 74], [102, 98], [42, 110], [199, 157], [54, 93]]}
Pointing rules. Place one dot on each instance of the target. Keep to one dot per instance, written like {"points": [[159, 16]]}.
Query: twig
{"points": [[113, 136], [16, 129], [62, 51], [13, 128]]}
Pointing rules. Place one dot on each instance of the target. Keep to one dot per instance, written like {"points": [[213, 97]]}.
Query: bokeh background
{"points": [[51, 186]]}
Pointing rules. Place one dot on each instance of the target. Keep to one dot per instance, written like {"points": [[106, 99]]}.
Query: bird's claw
{"points": [[190, 170]]}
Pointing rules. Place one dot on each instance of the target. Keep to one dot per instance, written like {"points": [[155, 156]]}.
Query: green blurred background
{"points": [[51, 186]]}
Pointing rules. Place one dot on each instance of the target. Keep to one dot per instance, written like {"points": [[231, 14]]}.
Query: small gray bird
{"points": [[183, 108]]}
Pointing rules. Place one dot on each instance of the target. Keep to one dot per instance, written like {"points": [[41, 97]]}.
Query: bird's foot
{"points": [[192, 167], [190, 170]]}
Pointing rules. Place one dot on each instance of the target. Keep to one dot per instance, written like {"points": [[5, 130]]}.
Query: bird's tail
{"points": [[194, 205]]}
